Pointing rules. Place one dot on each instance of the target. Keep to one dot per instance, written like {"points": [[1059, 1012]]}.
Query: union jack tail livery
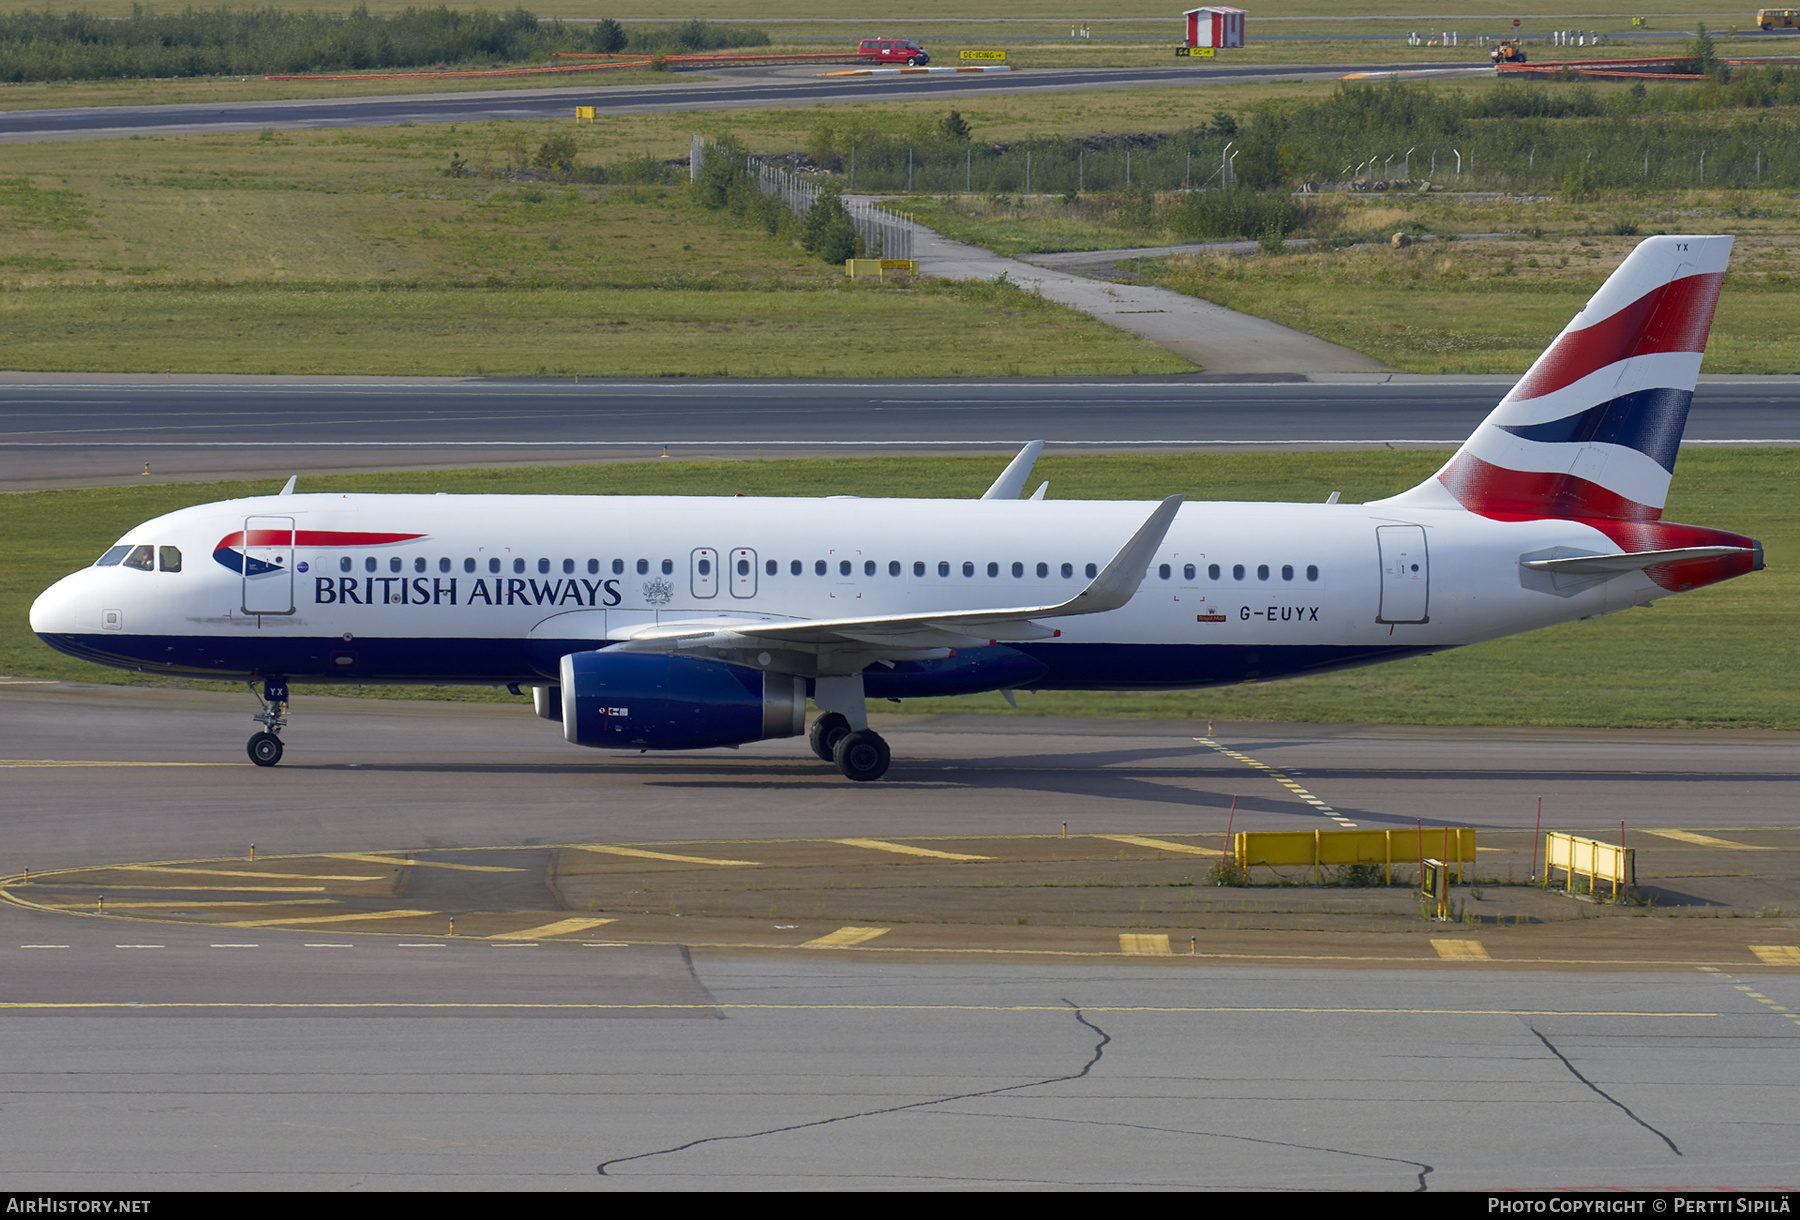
{"points": [[1592, 430]]}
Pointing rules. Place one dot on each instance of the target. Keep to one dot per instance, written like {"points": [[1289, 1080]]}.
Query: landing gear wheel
{"points": [[824, 735], [264, 749], [861, 756]]}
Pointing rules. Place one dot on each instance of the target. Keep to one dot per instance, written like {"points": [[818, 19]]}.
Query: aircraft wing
{"points": [[1112, 588]]}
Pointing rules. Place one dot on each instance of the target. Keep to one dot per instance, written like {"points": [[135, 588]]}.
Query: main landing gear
{"points": [[264, 748], [859, 754]]}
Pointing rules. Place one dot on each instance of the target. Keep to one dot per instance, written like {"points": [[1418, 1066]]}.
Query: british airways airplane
{"points": [[674, 623]]}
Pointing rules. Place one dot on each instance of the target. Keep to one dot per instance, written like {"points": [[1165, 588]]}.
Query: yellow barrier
{"points": [[1592, 858], [1275, 848], [585, 112], [858, 268]]}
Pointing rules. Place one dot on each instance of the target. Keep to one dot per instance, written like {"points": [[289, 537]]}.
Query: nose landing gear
{"points": [[264, 748]]}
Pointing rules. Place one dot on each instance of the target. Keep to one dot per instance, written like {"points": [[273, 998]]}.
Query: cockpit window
{"points": [[168, 558], [142, 558], [112, 556]]}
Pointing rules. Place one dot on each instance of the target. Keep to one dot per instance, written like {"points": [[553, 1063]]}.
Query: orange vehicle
{"points": [[1778, 18], [1508, 52]]}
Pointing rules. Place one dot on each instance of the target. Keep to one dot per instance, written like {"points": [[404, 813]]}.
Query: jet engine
{"points": [[649, 701]]}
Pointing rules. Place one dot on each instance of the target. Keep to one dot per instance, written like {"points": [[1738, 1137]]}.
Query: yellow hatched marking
{"points": [[1460, 950], [843, 937], [225, 872], [562, 927], [639, 854], [409, 863], [1688, 836], [1144, 944], [210, 889], [1777, 955], [276, 923], [164, 904], [906, 849], [1160, 844]]}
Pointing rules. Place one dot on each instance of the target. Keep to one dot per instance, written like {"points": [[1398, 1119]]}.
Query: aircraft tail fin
{"points": [[1592, 430]]}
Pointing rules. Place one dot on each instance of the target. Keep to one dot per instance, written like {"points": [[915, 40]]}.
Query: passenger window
{"points": [[568, 567], [618, 567], [444, 564], [1187, 571], [519, 566], [543, 567], [1262, 571], [843, 567], [469, 565], [796, 567], [168, 558], [993, 568], [393, 563], [1237, 571], [771, 567], [1068, 570], [943, 567], [1162, 571], [1043, 570], [494, 564], [743, 567], [868, 567], [419, 564], [1312, 572], [1287, 571], [1018, 569], [668, 567], [369, 563], [818, 567], [968, 568], [643, 567], [1212, 571], [593, 567], [918, 567], [141, 558], [112, 557], [1093, 570]]}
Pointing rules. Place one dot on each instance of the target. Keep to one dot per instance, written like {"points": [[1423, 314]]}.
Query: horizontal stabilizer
{"points": [[1628, 561]]}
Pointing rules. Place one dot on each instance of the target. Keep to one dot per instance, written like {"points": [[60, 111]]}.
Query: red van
{"points": [[893, 51]]}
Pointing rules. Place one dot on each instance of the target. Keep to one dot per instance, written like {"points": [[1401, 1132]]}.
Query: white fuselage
{"points": [[458, 588]]}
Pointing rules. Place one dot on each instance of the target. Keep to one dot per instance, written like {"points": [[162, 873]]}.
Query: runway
{"points": [[731, 89], [342, 1056], [73, 431]]}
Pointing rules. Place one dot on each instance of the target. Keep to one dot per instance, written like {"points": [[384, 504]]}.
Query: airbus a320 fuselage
{"points": [[685, 622]]}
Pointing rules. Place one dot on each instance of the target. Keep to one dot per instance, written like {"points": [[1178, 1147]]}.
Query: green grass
{"points": [[1465, 306], [1718, 657], [351, 252]]}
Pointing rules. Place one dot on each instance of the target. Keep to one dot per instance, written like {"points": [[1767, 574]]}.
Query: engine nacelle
{"points": [[649, 701]]}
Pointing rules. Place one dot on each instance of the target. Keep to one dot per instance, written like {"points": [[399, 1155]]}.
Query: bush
{"points": [[827, 230]]}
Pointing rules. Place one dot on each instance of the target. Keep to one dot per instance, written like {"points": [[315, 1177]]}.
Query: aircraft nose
{"points": [[57, 610]]}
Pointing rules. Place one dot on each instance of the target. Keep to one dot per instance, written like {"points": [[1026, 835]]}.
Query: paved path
{"points": [[1215, 338]]}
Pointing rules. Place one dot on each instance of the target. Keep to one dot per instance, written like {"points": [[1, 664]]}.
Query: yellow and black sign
{"points": [[991, 56], [1195, 52]]}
